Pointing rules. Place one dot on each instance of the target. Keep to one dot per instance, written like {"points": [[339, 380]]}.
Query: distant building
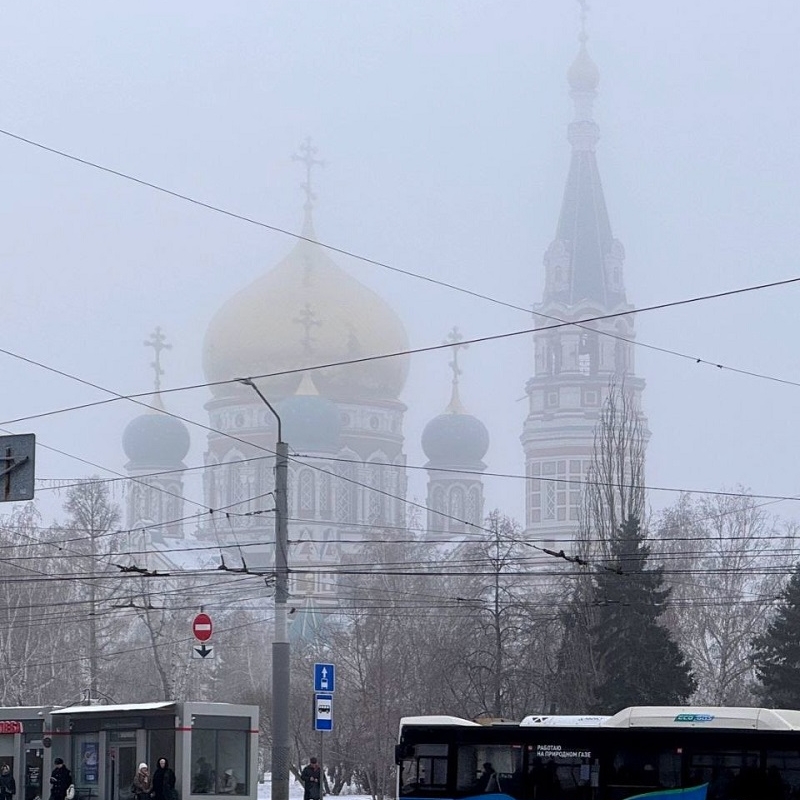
{"points": [[345, 422], [573, 365]]}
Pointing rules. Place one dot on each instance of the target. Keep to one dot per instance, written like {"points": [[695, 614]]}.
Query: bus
{"points": [[679, 753]]}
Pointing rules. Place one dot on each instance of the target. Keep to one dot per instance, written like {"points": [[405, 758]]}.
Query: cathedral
{"points": [[306, 333]]}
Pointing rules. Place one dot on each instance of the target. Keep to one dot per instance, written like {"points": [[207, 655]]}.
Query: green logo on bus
{"points": [[694, 718]]}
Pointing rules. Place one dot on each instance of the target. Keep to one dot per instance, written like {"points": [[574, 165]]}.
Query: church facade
{"points": [[306, 332]]}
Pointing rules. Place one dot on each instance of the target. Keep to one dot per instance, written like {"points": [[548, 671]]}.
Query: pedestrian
{"points": [[487, 780], [311, 776], [8, 788], [228, 783], [142, 786], [164, 781], [203, 779], [60, 780]]}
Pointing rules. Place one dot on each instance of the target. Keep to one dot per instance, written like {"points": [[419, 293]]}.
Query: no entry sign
{"points": [[201, 627]]}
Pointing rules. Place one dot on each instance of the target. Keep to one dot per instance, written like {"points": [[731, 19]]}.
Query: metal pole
{"points": [[321, 764], [280, 639], [280, 644]]}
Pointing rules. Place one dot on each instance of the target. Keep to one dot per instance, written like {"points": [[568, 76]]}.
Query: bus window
{"points": [[423, 770], [730, 774], [489, 769], [561, 772], [636, 771], [783, 774]]}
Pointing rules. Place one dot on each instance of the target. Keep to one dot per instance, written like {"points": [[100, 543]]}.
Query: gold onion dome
{"points": [[305, 312]]}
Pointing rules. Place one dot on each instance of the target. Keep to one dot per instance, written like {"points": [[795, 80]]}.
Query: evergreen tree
{"points": [[640, 664], [776, 653]]}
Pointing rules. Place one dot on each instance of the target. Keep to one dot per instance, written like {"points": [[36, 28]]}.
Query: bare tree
{"points": [[614, 489], [613, 492], [726, 558]]}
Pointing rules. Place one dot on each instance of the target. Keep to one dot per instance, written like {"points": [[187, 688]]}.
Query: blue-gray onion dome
{"points": [[155, 440], [310, 423], [455, 440]]}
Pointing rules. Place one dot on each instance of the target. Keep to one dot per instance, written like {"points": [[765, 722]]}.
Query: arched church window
{"points": [[375, 499], [457, 509], [473, 506], [306, 493], [588, 353], [345, 496], [325, 495]]}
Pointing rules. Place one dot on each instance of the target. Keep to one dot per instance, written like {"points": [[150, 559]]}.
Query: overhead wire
{"points": [[372, 261]]}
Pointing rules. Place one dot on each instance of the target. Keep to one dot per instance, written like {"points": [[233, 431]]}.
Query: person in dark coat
{"points": [[312, 780], [164, 781], [60, 780], [8, 788]]}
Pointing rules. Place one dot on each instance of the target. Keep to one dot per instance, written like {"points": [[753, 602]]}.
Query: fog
{"points": [[443, 129]]}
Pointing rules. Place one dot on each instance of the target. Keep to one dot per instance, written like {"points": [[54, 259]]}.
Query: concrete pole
{"points": [[280, 644], [280, 639]]}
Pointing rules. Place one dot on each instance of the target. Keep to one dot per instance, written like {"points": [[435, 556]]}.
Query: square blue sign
{"points": [[324, 678]]}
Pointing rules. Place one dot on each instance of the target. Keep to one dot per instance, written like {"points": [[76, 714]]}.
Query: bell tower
{"points": [[574, 363]]}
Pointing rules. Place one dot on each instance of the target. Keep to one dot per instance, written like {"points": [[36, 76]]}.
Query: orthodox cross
{"points": [[158, 342], [308, 320], [584, 11], [305, 154], [454, 339]]}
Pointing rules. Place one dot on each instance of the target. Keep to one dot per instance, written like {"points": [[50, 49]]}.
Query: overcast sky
{"points": [[443, 125]]}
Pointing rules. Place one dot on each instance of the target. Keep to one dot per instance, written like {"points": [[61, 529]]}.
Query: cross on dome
{"points": [[582, 36], [306, 155], [454, 339], [308, 320], [158, 342]]}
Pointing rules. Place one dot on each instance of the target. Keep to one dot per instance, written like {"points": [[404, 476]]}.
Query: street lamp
{"points": [[280, 639]]}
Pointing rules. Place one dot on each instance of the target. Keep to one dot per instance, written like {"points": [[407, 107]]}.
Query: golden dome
{"points": [[305, 312]]}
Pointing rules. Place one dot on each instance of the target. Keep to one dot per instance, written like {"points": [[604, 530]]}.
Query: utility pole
{"points": [[280, 639]]}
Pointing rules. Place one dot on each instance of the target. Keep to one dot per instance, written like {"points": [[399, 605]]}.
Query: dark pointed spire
{"points": [[584, 262]]}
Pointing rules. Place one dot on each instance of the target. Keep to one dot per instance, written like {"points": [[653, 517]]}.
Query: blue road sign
{"points": [[323, 712], [324, 678]]}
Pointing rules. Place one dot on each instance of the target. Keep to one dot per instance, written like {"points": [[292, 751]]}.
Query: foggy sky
{"points": [[444, 128]]}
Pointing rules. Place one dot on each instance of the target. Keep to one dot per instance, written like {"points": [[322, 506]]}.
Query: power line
{"points": [[377, 263], [377, 356]]}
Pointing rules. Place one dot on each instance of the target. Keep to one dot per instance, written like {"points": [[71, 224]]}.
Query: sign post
{"points": [[17, 467]]}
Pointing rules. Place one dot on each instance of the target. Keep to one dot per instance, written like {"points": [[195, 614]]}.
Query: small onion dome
{"points": [[583, 75], [155, 440], [455, 440], [310, 423]]}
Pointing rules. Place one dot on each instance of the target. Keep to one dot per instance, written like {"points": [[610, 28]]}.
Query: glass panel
{"points": [[555, 771], [33, 773], [161, 744], [219, 761], [636, 772], [730, 775], [783, 774], [424, 771], [490, 769]]}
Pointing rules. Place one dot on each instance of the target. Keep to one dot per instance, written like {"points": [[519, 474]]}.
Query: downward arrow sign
{"points": [[204, 651]]}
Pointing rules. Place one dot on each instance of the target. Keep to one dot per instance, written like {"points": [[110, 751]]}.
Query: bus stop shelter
{"points": [[103, 744]]}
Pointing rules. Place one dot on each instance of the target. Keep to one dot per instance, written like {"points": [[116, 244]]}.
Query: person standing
{"points": [[164, 781], [8, 787], [60, 780], [312, 780], [142, 785]]}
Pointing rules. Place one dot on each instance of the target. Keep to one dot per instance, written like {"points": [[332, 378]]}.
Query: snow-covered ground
{"points": [[296, 791]]}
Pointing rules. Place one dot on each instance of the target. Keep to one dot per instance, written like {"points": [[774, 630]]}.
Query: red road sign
{"points": [[201, 627]]}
